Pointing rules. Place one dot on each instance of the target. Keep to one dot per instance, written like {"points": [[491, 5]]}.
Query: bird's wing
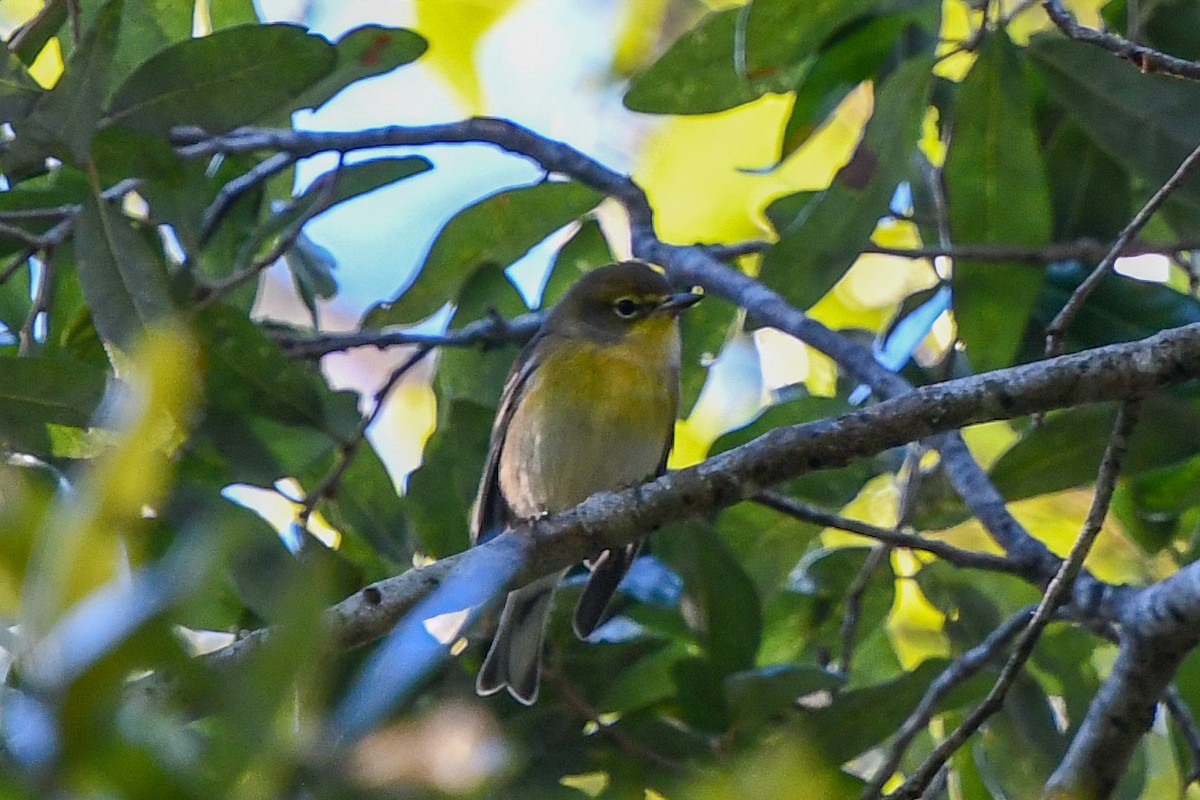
{"points": [[490, 513]]}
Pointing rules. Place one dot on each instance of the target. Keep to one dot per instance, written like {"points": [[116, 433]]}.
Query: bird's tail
{"points": [[607, 572], [514, 660]]}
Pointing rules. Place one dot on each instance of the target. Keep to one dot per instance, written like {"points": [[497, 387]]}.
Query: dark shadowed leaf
{"points": [[63, 120], [365, 505], [1138, 119], [727, 608], [18, 91], [494, 232], [122, 278], [1090, 192], [229, 78], [770, 693], [996, 193], [1065, 451], [822, 235], [860, 718]]}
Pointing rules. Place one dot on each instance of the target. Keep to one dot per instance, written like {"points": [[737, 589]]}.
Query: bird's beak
{"points": [[676, 303]]}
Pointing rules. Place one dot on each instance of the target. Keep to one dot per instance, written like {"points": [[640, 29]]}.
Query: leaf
{"points": [[996, 193], [365, 505], [441, 490], [1134, 117], [123, 280], [493, 232], [476, 374], [780, 32], [39, 393], [247, 374], [1090, 192], [18, 91], [821, 234], [856, 53], [361, 53], [1065, 450], [770, 693], [704, 331], [218, 82], [64, 119], [586, 250], [832, 488], [1119, 309], [699, 73], [348, 182], [726, 606], [147, 27], [860, 718]]}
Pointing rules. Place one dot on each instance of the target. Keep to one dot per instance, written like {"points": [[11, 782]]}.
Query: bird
{"points": [[589, 405]]}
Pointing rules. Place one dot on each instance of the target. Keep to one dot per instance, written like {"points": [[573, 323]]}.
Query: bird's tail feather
{"points": [[607, 572], [514, 661]]}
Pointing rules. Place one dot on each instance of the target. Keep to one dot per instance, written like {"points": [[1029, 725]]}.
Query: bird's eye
{"points": [[626, 307]]}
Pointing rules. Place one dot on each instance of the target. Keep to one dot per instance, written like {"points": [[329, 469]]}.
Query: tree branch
{"points": [[1147, 59], [486, 332], [611, 519]]}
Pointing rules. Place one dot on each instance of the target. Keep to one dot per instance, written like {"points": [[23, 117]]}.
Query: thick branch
{"points": [[611, 519]]}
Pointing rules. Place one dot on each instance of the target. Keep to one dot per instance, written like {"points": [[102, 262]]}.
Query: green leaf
{"points": [[365, 505], [218, 82], [820, 239], [39, 393], [123, 280], [699, 73], [586, 250], [147, 27], [1065, 450], [247, 374], [737, 55], [770, 693], [996, 193], [349, 182], [1090, 192], [845, 61], [363, 52], [860, 718], [493, 232], [1119, 309], [1134, 117], [705, 329], [831, 488], [64, 119], [18, 91], [475, 374], [231, 13], [441, 490], [231, 447], [726, 604]]}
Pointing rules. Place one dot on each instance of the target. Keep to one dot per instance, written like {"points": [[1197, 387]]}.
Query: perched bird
{"points": [[589, 405]]}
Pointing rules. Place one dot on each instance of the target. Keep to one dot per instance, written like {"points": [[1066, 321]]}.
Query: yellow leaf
{"points": [[454, 29]]}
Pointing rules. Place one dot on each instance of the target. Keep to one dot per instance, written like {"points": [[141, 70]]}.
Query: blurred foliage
{"points": [[136, 388]]}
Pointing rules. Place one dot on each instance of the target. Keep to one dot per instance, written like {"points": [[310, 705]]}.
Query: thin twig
{"points": [[485, 332], [348, 448], [210, 293], [959, 671], [854, 599], [969, 559], [41, 303], [1147, 59], [1056, 594], [614, 734], [230, 192], [1056, 331], [1188, 727]]}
